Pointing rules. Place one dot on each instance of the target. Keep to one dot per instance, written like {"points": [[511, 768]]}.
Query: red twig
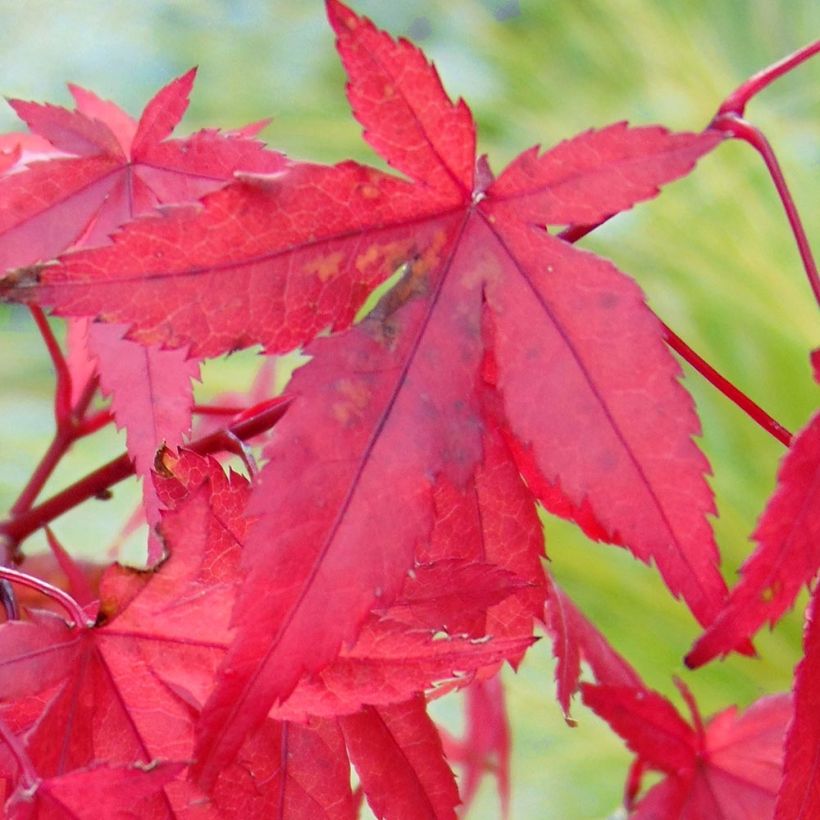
{"points": [[736, 102], [75, 611], [575, 232], [62, 392], [751, 408], [28, 774], [739, 128], [18, 528]]}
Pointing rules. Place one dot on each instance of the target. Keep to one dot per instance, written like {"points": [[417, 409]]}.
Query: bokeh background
{"points": [[713, 254]]}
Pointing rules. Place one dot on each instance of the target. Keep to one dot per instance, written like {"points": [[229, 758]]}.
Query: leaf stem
{"points": [[736, 102], [737, 127], [62, 392], [18, 528], [216, 410], [28, 774], [747, 405], [75, 611], [575, 232]]}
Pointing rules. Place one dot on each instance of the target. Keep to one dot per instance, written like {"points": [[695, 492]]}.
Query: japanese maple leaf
{"points": [[399, 759], [787, 554], [394, 408], [575, 638], [111, 168], [119, 793], [728, 770], [485, 745], [390, 663], [122, 168], [129, 689], [799, 794], [157, 642]]}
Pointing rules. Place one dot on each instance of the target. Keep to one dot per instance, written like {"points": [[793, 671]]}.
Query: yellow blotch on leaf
{"points": [[353, 398], [324, 267]]}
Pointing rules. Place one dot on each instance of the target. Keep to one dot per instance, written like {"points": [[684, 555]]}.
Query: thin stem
{"points": [[751, 408], [18, 528], [9, 600], [56, 450], [96, 422], [28, 774], [216, 410], [739, 128], [736, 102], [575, 232], [688, 697], [75, 611], [62, 392]]}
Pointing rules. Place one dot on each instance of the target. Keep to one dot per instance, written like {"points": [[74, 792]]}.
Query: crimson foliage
{"points": [[389, 549]]}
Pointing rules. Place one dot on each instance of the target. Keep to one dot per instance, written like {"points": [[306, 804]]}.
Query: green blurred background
{"points": [[713, 254]]}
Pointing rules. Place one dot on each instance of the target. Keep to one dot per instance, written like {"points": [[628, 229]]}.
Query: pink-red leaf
{"points": [[398, 98], [163, 113], [397, 753], [730, 771], [799, 794], [119, 793], [574, 638], [389, 663], [116, 171], [485, 746], [787, 555]]}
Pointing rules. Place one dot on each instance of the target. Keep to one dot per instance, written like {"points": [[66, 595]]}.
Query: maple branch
{"points": [[18, 528], [75, 611], [575, 232], [28, 774], [734, 125], [70, 424]]}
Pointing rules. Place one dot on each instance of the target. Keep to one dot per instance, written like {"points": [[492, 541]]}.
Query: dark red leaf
{"points": [[731, 771], [799, 794], [397, 754], [787, 555]]}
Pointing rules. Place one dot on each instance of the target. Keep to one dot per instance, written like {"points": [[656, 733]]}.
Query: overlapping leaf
{"points": [[122, 169], [799, 795], [787, 555], [398, 756], [729, 770], [110, 168], [499, 344]]}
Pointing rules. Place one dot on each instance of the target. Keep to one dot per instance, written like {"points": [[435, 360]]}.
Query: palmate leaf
{"points": [[787, 555], [106, 168], [729, 769], [495, 328]]}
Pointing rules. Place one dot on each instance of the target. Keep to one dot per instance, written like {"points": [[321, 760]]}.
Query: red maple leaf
{"points": [[398, 756], [485, 744], [123, 168], [110, 168], [729, 769], [799, 794], [401, 406], [787, 555], [120, 793], [574, 638]]}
